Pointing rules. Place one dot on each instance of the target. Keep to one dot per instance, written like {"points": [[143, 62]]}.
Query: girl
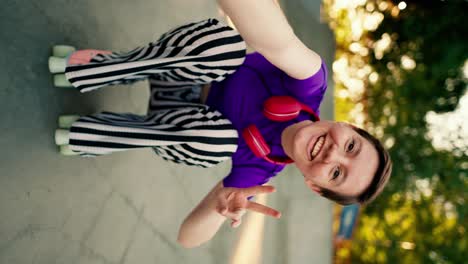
{"points": [[261, 111]]}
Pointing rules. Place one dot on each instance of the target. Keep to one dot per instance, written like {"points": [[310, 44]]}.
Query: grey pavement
{"points": [[125, 207]]}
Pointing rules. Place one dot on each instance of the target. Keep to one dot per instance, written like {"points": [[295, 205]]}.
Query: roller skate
{"points": [[63, 56], [62, 135]]}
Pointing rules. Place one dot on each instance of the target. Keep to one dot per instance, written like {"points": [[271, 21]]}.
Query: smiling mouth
{"points": [[317, 147]]}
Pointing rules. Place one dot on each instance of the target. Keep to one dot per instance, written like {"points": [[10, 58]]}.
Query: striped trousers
{"points": [[177, 126]]}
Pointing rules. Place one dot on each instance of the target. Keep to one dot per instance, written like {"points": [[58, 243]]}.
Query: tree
{"points": [[396, 61]]}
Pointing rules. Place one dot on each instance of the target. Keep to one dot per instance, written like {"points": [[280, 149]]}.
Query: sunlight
{"points": [[382, 45], [341, 4], [449, 131], [383, 6], [402, 5], [424, 186], [407, 245], [372, 21], [407, 62], [389, 142], [373, 77], [249, 245]]}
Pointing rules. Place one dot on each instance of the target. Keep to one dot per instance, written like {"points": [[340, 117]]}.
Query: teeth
{"points": [[318, 146]]}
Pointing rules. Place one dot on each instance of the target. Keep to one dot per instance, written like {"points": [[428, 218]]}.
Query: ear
{"points": [[313, 187]]}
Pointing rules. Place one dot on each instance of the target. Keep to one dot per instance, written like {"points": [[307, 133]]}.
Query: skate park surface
{"points": [[125, 207]]}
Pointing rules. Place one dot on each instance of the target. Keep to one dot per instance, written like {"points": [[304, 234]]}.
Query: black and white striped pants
{"points": [[178, 127]]}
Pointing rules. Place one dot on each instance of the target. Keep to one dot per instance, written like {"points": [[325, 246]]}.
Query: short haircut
{"points": [[380, 179]]}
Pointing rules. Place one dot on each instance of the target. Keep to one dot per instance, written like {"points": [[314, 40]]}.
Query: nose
{"points": [[333, 154], [328, 153]]}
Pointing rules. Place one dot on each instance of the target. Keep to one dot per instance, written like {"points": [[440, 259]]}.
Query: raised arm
{"points": [[203, 222], [264, 27], [217, 206]]}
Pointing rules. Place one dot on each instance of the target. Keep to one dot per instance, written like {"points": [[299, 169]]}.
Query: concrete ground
{"points": [[125, 207]]}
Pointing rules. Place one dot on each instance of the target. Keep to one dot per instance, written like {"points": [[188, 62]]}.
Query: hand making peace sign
{"points": [[233, 203]]}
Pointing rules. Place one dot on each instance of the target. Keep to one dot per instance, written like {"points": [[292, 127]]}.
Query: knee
{"points": [[219, 139]]}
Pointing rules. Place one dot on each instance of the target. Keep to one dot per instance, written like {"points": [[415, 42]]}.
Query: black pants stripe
{"points": [[206, 47], [177, 126]]}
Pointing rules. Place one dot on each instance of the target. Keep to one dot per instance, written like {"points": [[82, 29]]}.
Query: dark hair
{"points": [[380, 179]]}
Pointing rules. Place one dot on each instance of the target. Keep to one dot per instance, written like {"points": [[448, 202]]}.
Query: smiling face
{"points": [[331, 155]]}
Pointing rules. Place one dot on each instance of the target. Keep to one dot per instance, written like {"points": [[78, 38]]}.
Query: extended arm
{"points": [[203, 222], [264, 27], [220, 203]]}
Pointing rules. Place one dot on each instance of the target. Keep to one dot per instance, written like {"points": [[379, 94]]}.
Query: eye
{"points": [[336, 173], [350, 146]]}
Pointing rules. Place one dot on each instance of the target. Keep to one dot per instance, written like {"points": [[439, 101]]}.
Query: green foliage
{"points": [[424, 203]]}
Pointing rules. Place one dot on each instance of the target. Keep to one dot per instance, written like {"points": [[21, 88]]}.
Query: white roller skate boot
{"points": [[66, 151], [62, 136], [66, 121]]}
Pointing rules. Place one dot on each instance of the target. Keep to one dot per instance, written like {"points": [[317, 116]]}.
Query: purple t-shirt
{"points": [[240, 98]]}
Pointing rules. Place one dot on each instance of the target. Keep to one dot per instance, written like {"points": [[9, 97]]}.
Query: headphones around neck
{"points": [[280, 109]]}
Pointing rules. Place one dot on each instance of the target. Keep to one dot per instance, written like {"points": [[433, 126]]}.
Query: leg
{"points": [[63, 55], [196, 136], [196, 53], [170, 96]]}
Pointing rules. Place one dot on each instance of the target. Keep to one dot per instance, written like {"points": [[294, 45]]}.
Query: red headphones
{"points": [[280, 109]]}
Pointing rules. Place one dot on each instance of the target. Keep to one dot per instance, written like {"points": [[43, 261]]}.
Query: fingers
{"points": [[222, 208], [239, 213], [236, 223], [234, 203], [260, 208], [235, 215], [251, 191], [237, 219]]}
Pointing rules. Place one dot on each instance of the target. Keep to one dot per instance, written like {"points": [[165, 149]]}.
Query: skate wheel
{"points": [[66, 151], [61, 81], [62, 137], [62, 51], [66, 121], [57, 65]]}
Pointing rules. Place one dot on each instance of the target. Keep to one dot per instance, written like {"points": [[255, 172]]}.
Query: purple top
{"points": [[240, 98]]}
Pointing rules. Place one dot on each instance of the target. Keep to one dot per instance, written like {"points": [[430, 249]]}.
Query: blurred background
{"points": [[401, 70]]}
